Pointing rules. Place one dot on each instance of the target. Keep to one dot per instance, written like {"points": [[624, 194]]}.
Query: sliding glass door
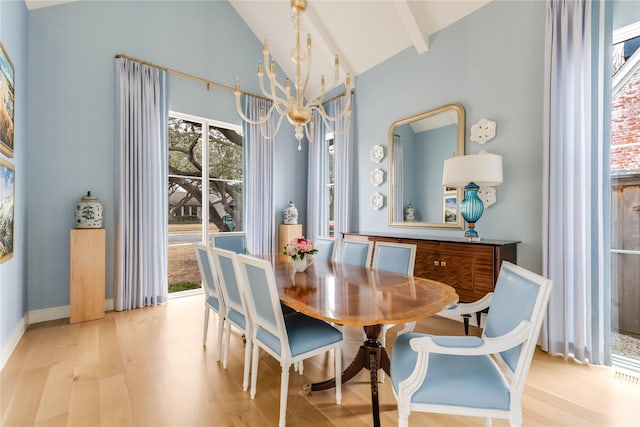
{"points": [[205, 187]]}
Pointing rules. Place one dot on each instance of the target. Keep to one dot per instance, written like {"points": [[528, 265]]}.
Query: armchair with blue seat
{"points": [[477, 376], [288, 339]]}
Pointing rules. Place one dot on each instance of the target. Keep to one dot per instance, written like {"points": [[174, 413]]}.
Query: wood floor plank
{"points": [[57, 392], [26, 398], [148, 367], [115, 408], [84, 402], [61, 420]]}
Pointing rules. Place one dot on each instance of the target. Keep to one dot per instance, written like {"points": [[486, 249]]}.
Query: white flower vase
{"points": [[301, 265]]}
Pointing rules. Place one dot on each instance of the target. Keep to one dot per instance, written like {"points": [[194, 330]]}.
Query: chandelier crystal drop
{"points": [[295, 107]]}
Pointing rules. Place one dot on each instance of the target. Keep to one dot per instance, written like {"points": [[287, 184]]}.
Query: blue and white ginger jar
{"points": [[88, 212], [291, 214]]}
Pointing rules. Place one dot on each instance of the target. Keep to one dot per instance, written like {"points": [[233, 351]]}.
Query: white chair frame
{"points": [[360, 242], [462, 308], [525, 333], [285, 358], [211, 289], [408, 327], [240, 308], [242, 234], [330, 239]]}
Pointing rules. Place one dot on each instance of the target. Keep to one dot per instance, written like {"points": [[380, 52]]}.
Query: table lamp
{"points": [[472, 172]]}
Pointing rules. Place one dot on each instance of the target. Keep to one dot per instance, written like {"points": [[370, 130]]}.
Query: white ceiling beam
{"points": [[411, 26], [324, 42]]}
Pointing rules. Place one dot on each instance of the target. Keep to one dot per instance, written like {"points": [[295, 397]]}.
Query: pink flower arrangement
{"points": [[299, 247]]}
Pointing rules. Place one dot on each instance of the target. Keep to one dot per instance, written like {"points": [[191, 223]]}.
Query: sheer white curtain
{"points": [[576, 187], [398, 181], [260, 181], [141, 185], [317, 200], [344, 168]]}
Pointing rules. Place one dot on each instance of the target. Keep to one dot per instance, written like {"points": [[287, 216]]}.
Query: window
{"points": [[205, 188], [330, 183], [625, 194]]}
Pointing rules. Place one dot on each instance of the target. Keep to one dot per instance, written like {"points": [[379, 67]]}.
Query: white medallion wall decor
{"points": [[376, 154], [376, 177], [376, 201], [483, 131], [487, 195]]}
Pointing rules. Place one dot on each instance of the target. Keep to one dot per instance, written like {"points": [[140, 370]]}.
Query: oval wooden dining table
{"points": [[358, 296]]}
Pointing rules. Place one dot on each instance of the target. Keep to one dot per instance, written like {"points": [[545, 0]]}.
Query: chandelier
{"points": [[295, 107]]}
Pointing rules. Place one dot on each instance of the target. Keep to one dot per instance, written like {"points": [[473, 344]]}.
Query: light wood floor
{"points": [[148, 367]]}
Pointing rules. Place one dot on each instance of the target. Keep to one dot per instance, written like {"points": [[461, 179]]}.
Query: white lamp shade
{"points": [[484, 169]]}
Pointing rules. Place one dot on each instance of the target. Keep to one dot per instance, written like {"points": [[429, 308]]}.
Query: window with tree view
{"points": [[330, 183], [205, 187]]}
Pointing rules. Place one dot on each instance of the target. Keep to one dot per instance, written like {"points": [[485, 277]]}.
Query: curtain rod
{"points": [[201, 80]]}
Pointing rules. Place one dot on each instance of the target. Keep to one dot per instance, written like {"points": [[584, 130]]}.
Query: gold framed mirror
{"points": [[418, 147]]}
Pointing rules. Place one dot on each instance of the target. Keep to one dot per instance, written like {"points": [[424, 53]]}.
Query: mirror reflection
{"points": [[418, 147]]}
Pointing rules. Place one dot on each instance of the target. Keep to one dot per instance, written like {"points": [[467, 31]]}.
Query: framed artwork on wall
{"points": [[6, 103], [450, 209], [7, 202]]}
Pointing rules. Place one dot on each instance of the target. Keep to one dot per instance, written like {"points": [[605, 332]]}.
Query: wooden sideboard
{"points": [[470, 267]]}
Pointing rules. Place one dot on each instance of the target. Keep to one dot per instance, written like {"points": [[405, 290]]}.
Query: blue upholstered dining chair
{"points": [[235, 313], [397, 258], [356, 252], [235, 241], [394, 257], [325, 247], [457, 375], [289, 339], [212, 296]]}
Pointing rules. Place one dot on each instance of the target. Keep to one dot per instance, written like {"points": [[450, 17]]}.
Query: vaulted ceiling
{"points": [[364, 33]]}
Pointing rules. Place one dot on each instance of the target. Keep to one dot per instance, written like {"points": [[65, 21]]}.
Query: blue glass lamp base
{"points": [[471, 235], [471, 209]]}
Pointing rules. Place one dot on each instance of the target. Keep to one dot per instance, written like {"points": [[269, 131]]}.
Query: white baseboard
{"points": [[46, 314], [37, 316], [55, 313], [12, 343]]}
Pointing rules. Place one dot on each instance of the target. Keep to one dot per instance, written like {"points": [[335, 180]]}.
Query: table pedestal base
{"points": [[371, 356]]}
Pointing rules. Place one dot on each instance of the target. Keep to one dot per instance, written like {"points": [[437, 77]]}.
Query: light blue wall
{"points": [[625, 12], [13, 272], [72, 107], [492, 63]]}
